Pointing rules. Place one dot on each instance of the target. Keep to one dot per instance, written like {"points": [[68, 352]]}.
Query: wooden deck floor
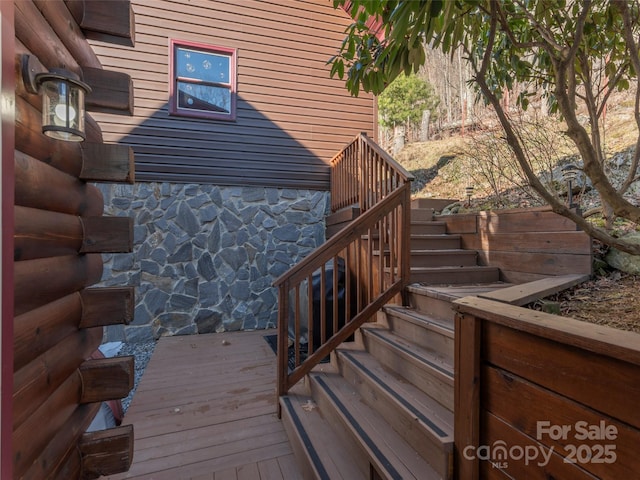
{"points": [[206, 409]]}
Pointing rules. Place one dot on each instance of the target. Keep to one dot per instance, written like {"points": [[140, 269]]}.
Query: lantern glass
{"points": [[62, 108]]}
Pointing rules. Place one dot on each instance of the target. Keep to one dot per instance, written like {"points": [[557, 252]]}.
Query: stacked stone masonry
{"points": [[205, 256]]}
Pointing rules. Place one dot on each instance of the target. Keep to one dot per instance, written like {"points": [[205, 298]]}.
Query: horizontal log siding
{"points": [[56, 211], [291, 117]]}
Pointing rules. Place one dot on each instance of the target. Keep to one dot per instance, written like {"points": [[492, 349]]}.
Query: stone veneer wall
{"points": [[205, 256]]}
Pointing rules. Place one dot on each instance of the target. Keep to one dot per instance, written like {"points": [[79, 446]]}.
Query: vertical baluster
{"points": [[335, 184], [393, 243], [323, 312], [353, 187], [360, 274], [296, 340], [283, 320], [381, 249], [311, 320], [369, 266], [347, 284], [336, 310]]}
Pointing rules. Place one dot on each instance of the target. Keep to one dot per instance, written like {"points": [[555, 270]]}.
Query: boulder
{"points": [[451, 209], [625, 261]]}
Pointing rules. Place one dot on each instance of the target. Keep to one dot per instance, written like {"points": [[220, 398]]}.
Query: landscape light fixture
{"points": [[62, 100], [569, 174], [469, 191]]}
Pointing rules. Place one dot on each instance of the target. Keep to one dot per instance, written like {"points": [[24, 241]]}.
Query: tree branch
{"points": [[630, 41]]}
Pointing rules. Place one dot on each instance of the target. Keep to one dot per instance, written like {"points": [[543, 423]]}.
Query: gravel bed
{"points": [[142, 353]]}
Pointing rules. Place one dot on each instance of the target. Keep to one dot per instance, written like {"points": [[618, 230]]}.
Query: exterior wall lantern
{"points": [[63, 104], [469, 192], [569, 174]]}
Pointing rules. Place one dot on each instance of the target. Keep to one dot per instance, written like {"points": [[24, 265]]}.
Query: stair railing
{"points": [[326, 297], [362, 174]]}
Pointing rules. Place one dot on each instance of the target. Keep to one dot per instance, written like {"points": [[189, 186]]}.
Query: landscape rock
{"points": [[624, 261]]}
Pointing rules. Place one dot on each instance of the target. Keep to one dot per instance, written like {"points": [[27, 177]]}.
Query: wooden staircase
{"points": [[438, 257], [383, 407]]}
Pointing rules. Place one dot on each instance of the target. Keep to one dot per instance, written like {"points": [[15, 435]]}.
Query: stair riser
{"points": [[433, 307], [442, 345], [425, 378], [432, 203], [455, 277], [435, 243], [461, 259], [422, 214], [458, 259], [428, 228], [437, 453]]}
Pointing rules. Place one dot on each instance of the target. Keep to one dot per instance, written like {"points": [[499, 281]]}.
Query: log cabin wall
{"points": [[7, 86], [542, 396], [224, 207], [526, 245], [59, 235]]}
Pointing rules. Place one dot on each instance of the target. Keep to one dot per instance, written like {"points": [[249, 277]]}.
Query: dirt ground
{"points": [[612, 300]]}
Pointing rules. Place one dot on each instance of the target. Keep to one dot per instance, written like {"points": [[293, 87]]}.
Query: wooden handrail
{"points": [[326, 297], [363, 173]]}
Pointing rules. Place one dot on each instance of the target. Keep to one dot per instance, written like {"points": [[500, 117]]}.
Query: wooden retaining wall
{"points": [[526, 245], [542, 396], [59, 235]]}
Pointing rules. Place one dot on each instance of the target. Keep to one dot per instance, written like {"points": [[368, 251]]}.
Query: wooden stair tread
{"points": [[454, 275], [435, 251], [528, 292], [454, 292], [436, 235], [474, 268], [410, 315], [443, 251], [433, 416], [413, 353], [428, 222], [385, 448], [328, 455]]}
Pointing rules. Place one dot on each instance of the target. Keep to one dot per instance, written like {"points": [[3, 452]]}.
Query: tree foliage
{"points": [[404, 100], [575, 51]]}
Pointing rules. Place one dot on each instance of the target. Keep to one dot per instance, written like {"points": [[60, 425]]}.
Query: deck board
{"points": [[206, 409]]}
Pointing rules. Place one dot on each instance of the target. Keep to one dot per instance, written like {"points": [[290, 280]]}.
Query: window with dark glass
{"points": [[203, 81]]}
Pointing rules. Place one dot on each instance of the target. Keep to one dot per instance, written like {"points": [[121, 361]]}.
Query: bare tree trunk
{"points": [[398, 138], [424, 127]]}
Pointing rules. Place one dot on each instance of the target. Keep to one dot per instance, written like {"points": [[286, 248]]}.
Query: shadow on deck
{"points": [[206, 409]]}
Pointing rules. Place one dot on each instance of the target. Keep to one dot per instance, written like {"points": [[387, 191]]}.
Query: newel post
{"points": [[467, 394], [406, 234], [362, 171], [283, 328]]}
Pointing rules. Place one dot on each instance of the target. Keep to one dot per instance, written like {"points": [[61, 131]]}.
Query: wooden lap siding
{"points": [[291, 116]]}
